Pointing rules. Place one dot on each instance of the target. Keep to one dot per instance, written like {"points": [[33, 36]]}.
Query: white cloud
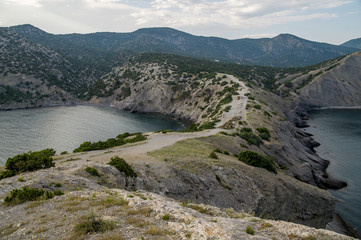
{"points": [[226, 18], [32, 3], [233, 13]]}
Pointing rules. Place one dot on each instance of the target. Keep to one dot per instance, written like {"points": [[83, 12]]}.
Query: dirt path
{"points": [[238, 104], [138, 151]]}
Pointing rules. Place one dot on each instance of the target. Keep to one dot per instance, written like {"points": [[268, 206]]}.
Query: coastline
{"points": [[107, 105], [338, 224]]}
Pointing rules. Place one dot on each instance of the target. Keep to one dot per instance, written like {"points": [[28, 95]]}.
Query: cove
{"points": [[339, 133], [64, 128]]}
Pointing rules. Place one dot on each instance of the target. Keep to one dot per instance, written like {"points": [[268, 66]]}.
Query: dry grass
{"points": [[140, 211], [158, 231], [137, 222], [6, 231], [111, 236]]}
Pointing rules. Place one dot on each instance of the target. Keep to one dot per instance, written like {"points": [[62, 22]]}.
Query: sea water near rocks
{"points": [[65, 128], [339, 133]]}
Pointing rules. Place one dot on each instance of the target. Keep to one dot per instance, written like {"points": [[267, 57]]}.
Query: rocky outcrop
{"points": [[338, 87]]}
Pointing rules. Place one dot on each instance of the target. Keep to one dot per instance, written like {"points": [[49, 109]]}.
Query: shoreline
{"points": [[338, 224]]}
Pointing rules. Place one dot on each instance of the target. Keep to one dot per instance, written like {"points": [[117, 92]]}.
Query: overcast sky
{"points": [[332, 21]]}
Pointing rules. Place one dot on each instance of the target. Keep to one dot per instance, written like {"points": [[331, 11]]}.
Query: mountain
{"points": [[337, 84], [354, 43], [284, 50]]}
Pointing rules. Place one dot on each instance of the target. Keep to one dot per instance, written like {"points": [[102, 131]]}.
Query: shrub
{"points": [[213, 155], [93, 224], [250, 230], [92, 171], [6, 174], [250, 137], [120, 140], [58, 185], [166, 217], [257, 160], [267, 114], [30, 161], [193, 127], [18, 196], [264, 133], [122, 166], [257, 106]]}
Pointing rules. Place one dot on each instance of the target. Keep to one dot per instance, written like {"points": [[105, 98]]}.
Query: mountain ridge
{"points": [[265, 51]]}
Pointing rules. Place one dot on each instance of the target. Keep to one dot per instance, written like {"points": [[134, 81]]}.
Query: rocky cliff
{"points": [[183, 171]]}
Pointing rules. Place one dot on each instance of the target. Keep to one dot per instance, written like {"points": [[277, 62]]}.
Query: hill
{"points": [[284, 50], [354, 43]]}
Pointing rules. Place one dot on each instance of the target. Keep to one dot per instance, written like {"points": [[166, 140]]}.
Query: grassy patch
{"points": [[250, 230], [91, 223], [166, 217], [146, 211]]}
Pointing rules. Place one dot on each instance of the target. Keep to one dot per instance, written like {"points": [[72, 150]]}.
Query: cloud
{"points": [[197, 16], [233, 13], [32, 3]]}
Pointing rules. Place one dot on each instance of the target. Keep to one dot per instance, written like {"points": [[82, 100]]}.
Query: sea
{"points": [[64, 128], [339, 133]]}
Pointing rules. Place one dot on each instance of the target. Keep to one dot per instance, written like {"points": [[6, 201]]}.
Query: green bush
{"points": [[122, 166], [250, 230], [93, 224], [257, 160], [193, 127], [166, 217], [18, 196], [264, 133], [257, 106], [213, 155], [30, 161], [120, 140], [250, 137], [92, 171], [6, 174]]}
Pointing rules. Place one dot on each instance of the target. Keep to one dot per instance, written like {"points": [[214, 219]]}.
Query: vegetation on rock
{"points": [[122, 166], [250, 137], [112, 142], [264, 133], [30, 161], [92, 171], [18, 196], [257, 160]]}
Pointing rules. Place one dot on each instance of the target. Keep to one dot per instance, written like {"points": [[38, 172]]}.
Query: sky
{"points": [[331, 21]]}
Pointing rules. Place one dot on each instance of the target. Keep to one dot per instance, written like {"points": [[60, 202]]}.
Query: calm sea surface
{"points": [[339, 132], [65, 128]]}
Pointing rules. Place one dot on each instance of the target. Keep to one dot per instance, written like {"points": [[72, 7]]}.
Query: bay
{"points": [[64, 128], [339, 133]]}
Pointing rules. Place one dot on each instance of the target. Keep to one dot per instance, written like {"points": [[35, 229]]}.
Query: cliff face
{"points": [[338, 87], [157, 88]]}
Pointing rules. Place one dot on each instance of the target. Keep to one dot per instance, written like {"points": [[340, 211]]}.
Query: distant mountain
{"points": [[103, 49], [354, 43]]}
